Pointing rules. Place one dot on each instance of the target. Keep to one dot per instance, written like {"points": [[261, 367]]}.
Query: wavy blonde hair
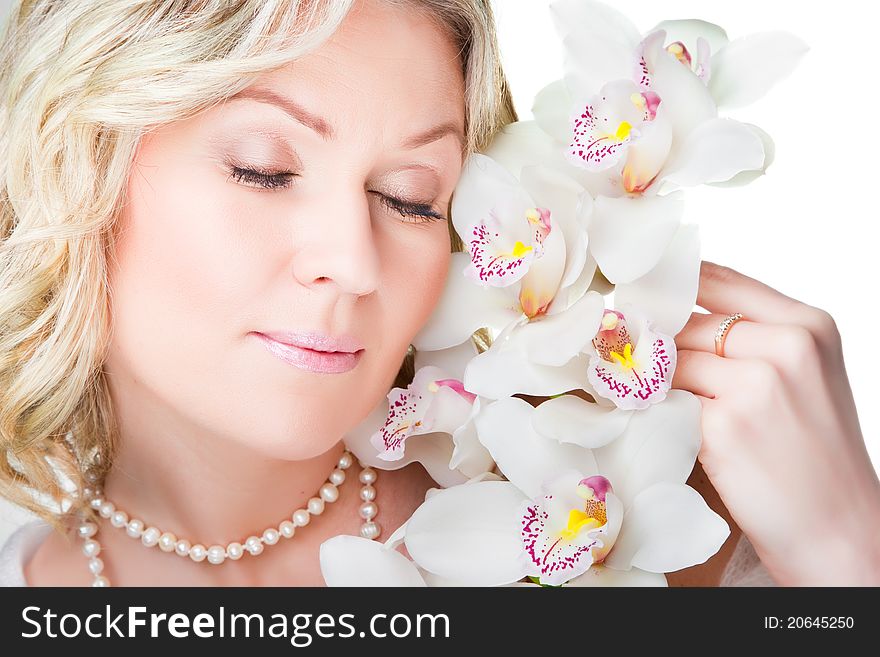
{"points": [[80, 83]]}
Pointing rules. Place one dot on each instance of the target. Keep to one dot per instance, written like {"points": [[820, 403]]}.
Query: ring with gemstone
{"points": [[721, 332]]}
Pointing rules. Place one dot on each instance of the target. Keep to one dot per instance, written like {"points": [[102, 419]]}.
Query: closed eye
{"points": [[424, 212]]}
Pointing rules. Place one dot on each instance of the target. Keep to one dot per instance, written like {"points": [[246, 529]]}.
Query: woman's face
{"points": [[304, 204]]}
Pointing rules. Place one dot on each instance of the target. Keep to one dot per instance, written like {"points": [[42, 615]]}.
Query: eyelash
{"points": [[284, 179]]}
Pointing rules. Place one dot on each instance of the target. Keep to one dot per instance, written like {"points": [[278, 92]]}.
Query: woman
{"points": [[188, 188]]}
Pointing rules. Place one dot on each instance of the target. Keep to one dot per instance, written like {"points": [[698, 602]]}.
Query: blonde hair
{"points": [[80, 84]]}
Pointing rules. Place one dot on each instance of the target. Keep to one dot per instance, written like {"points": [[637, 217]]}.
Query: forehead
{"points": [[386, 63]]}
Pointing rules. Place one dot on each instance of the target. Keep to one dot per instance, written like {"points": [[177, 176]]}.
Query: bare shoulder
{"points": [[709, 572], [58, 561]]}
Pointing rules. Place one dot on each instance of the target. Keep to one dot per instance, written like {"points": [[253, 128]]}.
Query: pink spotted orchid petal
{"points": [[432, 402], [572, 526], [498, 222], [633, 372], [603, 129]]}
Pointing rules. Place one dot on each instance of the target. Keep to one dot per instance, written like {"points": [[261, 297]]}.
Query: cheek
{"points": [[416, 283], [177, 271]]}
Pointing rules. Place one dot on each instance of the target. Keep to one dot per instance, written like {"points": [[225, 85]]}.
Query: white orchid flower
{"points": [[347, 560], [633, 364], [526, 245], [565, 508], [429, 421]]}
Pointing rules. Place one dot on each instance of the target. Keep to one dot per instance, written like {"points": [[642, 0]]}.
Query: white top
{"points": [[19, 548], [743, 569]]}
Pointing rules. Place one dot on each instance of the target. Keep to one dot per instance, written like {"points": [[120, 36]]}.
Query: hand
{"points": [[781, 438]]}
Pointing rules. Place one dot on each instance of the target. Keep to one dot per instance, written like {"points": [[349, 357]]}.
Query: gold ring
{"points": [[721, 333]]}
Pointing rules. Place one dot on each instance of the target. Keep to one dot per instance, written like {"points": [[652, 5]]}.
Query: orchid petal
{"points": [[570, 208], [660, 443], [527, 458], [628, 235], [602, 575], [354, 561], [668, 292], [452, 360], [747, 68], [556, 339], [605, 125], [433, 450], [502, 371], [668, 527], [715, 151], [644, 376], [571, 419], [469, 456], [551, 109], [469, 533], [598, 44], [463, 308], [686, 96], [745, 177], [647, 153], [688, 30]]}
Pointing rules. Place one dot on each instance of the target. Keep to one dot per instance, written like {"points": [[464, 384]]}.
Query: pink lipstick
{"points": [[314, 352]]}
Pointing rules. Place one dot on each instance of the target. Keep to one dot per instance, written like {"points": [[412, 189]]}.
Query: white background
{"points": [[807, 228]]}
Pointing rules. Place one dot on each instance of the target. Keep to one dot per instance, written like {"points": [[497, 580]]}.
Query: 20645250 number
{"points": [[808, 622]]}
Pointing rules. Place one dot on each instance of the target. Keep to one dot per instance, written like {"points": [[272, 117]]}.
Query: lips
{"points": [[314, 360], [316, 341]]}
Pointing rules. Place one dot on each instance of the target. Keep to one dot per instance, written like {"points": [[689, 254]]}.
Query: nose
{"points": [[337, 246]]}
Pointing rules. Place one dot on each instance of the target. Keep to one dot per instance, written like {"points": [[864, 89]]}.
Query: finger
{"points": [[790, 348], [726, 291], [708, 375]]}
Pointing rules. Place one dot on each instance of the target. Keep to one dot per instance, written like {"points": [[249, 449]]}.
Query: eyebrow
{"points": [[325, 130]]}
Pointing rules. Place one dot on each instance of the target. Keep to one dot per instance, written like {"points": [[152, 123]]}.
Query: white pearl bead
{"points": [[96, 565], [368, 493], [368, 510], [119, 519], [345, 461], [367, 476], [301, 517], [271, 536], [100, 580], [91, 548], [183, 547], [167, 542], [316, 506], [234, 551], [151, 536], [337, 477], [370, 530], [329, 492], [253, 545], [87, 529], [96, 503], [198, 552], [287, 529], [216, 554], [135, 528], [107, 509]]}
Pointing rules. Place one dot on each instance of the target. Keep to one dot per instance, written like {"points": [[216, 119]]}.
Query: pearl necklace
{"points": [[151, 536]]}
